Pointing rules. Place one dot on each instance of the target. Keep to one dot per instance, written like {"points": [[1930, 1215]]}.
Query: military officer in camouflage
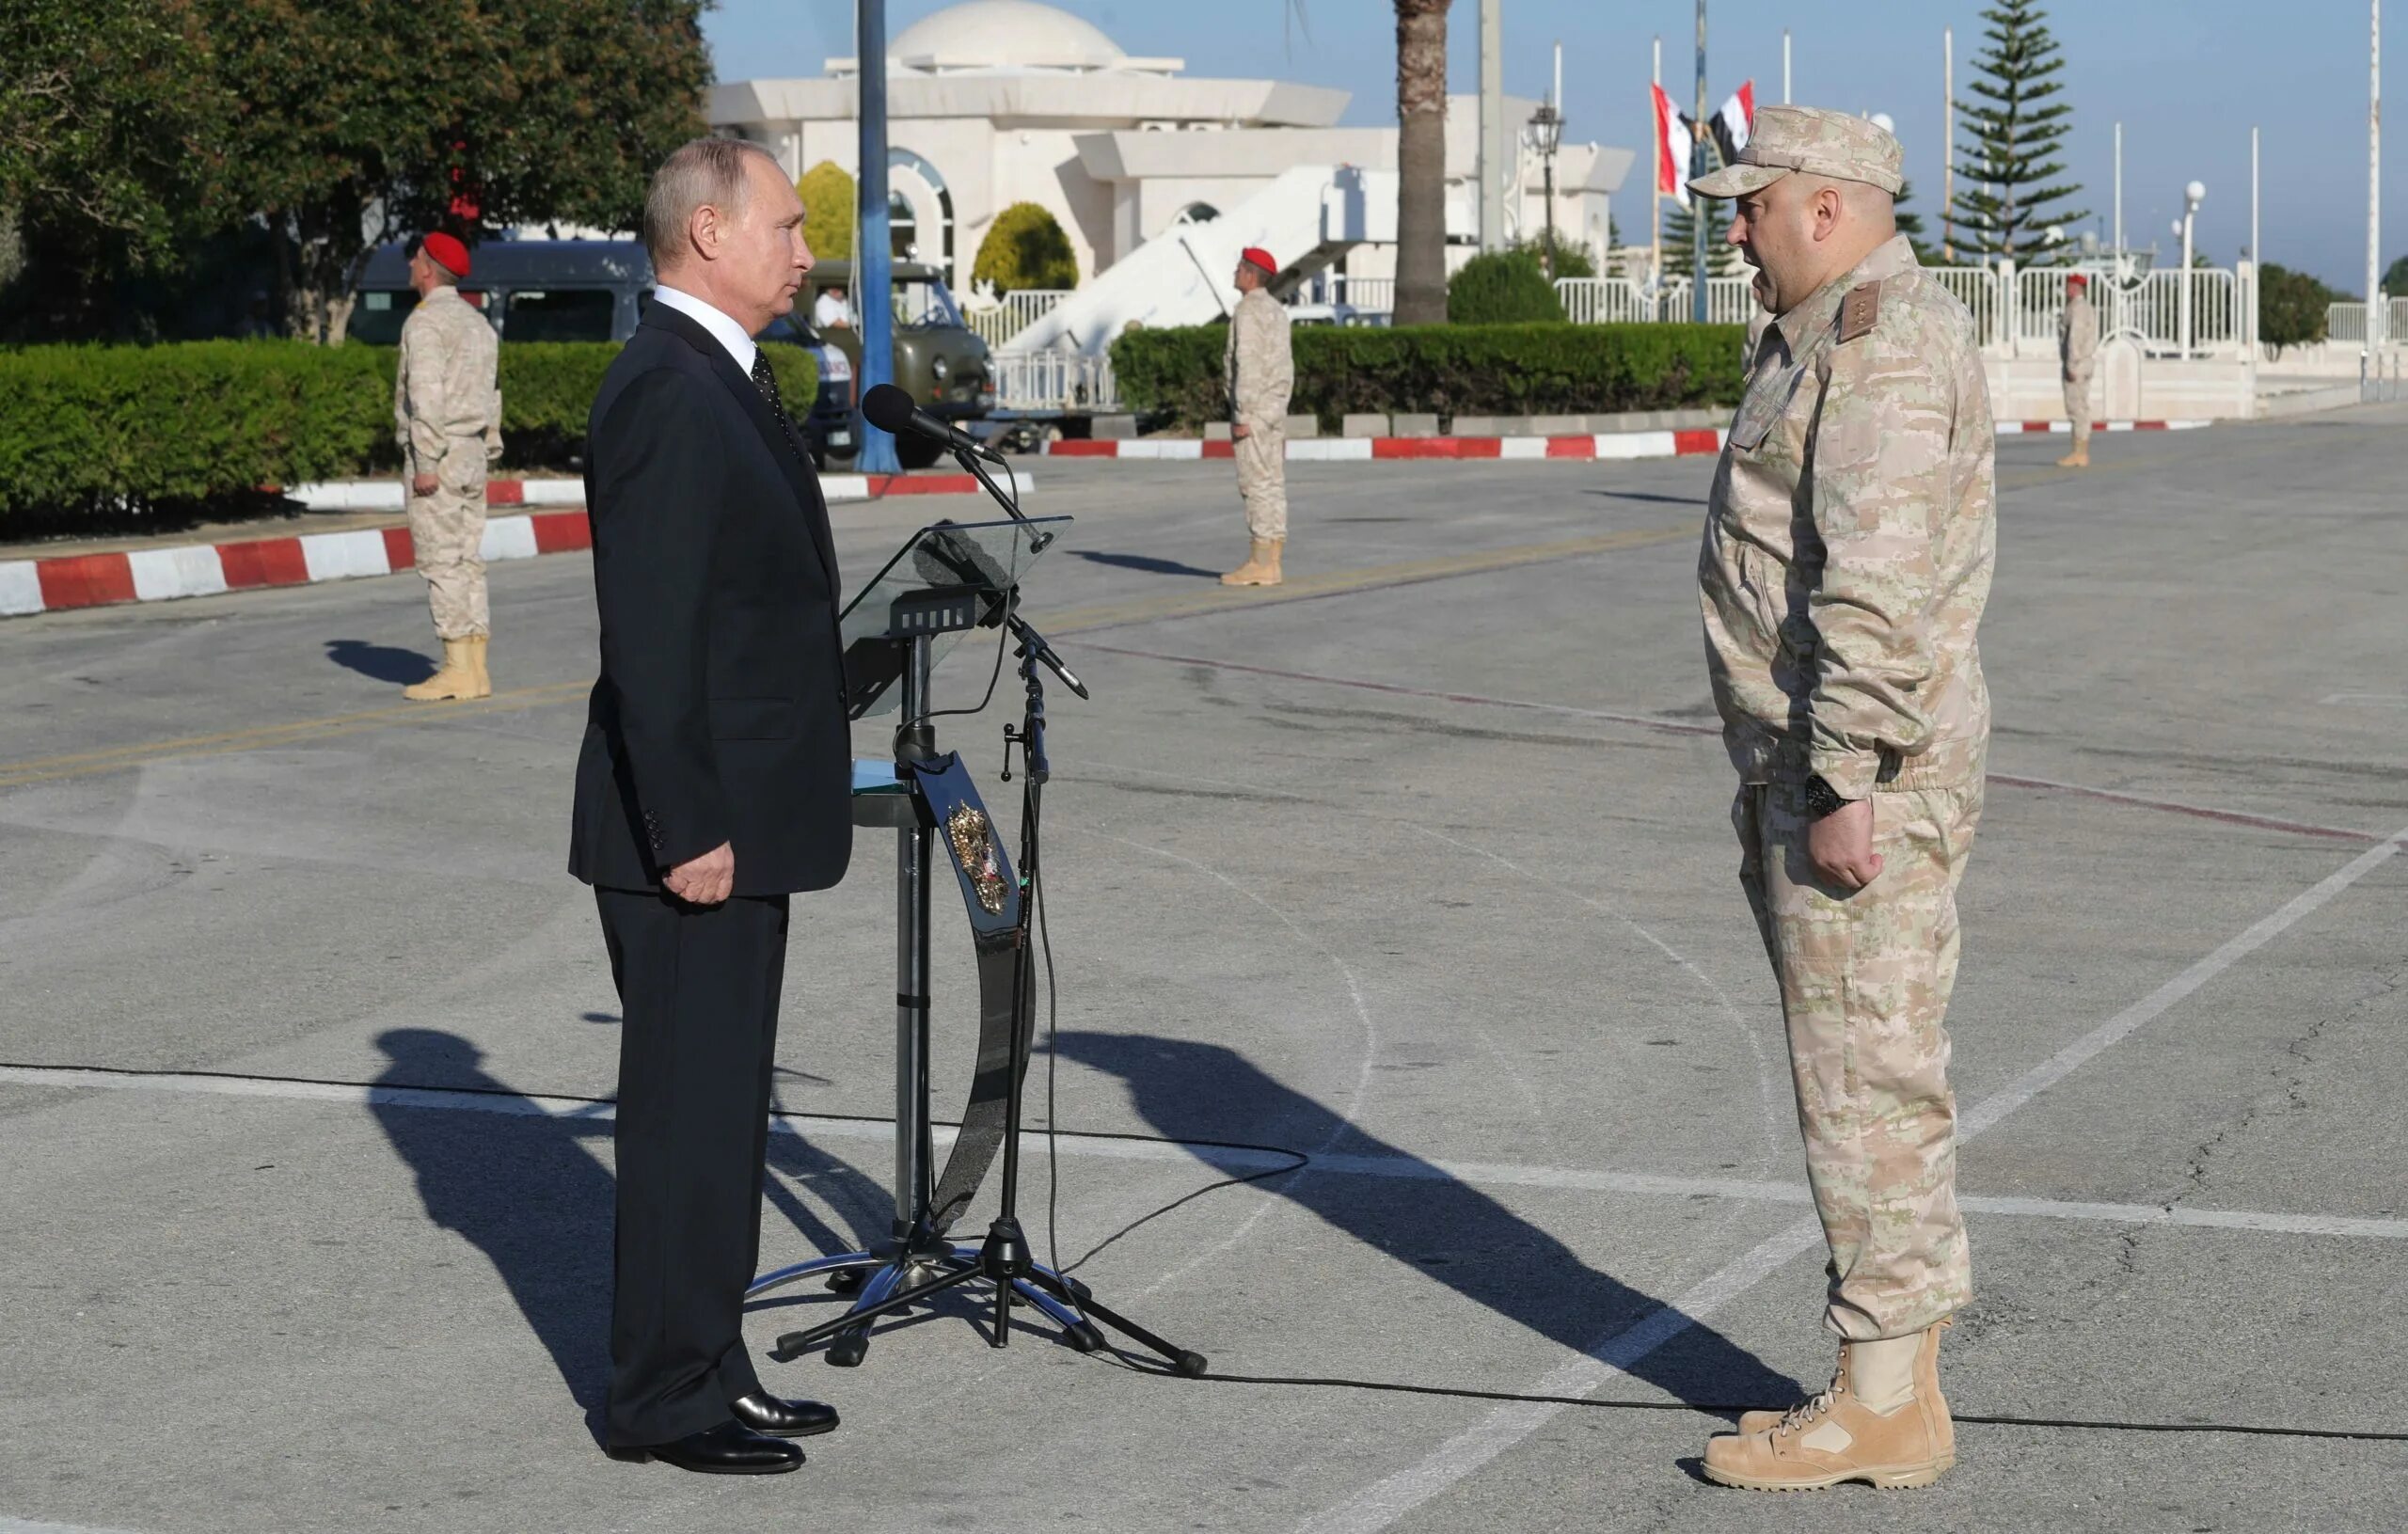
{"points": [[2077, 354], [1262, 374], [447, 412], [1846, 559]]}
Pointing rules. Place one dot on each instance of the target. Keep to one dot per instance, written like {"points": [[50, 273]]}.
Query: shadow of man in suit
{"points": [[528, 1188], [1449, 1232]]}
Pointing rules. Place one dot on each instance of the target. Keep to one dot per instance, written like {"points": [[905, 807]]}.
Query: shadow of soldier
{"points": [[525, 1186], [1442, 1228], [380, 662]]}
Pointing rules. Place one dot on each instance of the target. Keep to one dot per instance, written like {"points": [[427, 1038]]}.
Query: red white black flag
{"points": [[1673, 140], [1735, 124]]}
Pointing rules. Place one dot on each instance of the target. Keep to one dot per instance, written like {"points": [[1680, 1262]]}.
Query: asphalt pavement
{"points": [[1414, 880]]}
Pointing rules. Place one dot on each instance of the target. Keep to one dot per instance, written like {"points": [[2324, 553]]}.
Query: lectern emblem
{"points": [[973, 847]]}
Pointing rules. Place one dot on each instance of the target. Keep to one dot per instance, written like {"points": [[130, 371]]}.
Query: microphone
{"points": [[892, 409]]}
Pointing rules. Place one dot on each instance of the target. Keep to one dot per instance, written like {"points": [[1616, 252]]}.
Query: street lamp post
{"points": [[1547, 137], [2193, 196]]}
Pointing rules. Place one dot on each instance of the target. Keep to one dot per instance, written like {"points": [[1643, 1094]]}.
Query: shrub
{"points": [[1504, 287], [827, 193], [2291, 308], [133, 435], [1572, 258], [1518, 370], [1025, 249]]}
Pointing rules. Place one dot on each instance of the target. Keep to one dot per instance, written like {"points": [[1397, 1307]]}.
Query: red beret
{"points": [[446, 251], [1257, 256], [2078, 277]]}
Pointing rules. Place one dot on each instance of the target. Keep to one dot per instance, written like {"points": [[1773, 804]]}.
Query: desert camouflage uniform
{"points": [[1261, 374], [447, 415], [2078, 354], [1847, 555]]}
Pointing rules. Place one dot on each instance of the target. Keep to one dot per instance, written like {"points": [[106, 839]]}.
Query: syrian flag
{"points": [[1736, 123], [1672, 141]]}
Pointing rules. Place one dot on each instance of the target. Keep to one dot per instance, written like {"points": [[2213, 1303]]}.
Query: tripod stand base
{"points": [[878, 1278]]}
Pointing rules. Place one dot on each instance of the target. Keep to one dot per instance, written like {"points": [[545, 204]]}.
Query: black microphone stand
{"points": [[1005, 1258]]}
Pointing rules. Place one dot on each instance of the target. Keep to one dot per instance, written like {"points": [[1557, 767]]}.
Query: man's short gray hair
{"points": [[702, 172]]}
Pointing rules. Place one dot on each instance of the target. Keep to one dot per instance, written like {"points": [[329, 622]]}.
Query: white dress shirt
{"points": [[724, 331]]}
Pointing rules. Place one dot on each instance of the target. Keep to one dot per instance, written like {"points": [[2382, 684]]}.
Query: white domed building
{"points": [[997, 102]]}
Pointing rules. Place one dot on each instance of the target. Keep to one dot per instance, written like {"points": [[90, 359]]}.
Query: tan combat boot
{"points": [[2079, 458], [1261, 566], [482, 687], [455, 678], [1883, 1421]]}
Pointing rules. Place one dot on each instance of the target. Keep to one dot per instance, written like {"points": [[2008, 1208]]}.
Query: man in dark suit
{"points": [[714, 783]]}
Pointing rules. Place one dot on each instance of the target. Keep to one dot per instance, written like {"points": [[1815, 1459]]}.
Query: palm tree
{"points": [[1422, 162]]}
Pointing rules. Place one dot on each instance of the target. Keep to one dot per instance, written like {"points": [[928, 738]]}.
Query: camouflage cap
{"points": [[1816, 140]]}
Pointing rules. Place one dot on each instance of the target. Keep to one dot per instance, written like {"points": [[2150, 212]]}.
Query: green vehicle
{"points": [[943, 364]]}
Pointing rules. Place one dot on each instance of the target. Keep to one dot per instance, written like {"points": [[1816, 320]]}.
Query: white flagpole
{"points": [[1655, 187]]}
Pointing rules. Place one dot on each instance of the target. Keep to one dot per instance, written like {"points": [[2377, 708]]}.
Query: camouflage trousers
{"points": [[1864, 982], [2078, 411], [1263, 482], [448, 534]]}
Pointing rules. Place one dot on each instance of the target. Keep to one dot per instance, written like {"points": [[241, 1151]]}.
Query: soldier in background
{"points": [[1262, 374], [1848, 544], [2077, 353], [447, 412]]}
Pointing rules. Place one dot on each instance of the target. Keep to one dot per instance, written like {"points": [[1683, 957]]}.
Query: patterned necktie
{"points": [[765, 380]]}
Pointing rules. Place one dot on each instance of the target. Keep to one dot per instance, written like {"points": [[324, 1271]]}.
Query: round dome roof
{"points": [[1003, 34]]}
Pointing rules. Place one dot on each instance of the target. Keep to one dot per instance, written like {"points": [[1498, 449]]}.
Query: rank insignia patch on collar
{"points": [[1860, 311]]}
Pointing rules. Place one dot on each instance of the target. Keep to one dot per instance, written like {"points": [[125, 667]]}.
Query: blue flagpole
{"points": [[874, 261]]}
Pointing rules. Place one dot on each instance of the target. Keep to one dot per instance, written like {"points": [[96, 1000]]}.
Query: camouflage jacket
{"points": [[2076, 339], [444, 389], [1261, 372], [1850, 538]]}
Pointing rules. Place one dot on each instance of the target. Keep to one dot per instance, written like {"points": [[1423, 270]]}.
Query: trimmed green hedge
{"points": [[1496, 369], [125, 437], [1502, 287]]}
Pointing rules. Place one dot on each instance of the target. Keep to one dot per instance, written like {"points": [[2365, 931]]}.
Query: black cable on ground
{"points": [[1139, 1365]]}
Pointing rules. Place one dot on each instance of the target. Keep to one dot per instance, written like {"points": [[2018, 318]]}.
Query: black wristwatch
{"points": [[1822, 799]]}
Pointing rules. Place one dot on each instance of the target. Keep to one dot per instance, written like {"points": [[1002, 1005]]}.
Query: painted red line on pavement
{"points": [[263, 562], [85, 580], [1220, 450], [2196, 811], [400, 553], [1435, 447], [1705, 440], [1571, 447], [561, 533], [505, 492], [1068, 448]]}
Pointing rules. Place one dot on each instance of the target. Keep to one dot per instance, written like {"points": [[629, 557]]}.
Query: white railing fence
{"points": [[2348, 321], [1055, 381], [1589, 300], [2150, 307], [1000, 323], [1370, 294]]}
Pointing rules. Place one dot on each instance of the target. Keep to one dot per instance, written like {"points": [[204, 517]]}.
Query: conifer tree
{"points": [[1722, 257], [2009, 157]]}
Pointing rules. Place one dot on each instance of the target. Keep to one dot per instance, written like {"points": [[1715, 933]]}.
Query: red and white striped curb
{"points": [[1615, 445], [386, 495], [160, 575], [1362, 448], [2064, 428]]}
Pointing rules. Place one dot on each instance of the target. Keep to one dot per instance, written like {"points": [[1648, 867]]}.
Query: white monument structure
{"points": [[997, 102]]}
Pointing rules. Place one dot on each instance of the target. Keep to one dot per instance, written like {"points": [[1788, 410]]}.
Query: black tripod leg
{"points": [[1192, 1364], [792, 1343]]}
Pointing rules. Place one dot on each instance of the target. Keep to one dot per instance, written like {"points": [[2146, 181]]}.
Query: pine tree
{"points": [[1722, 257], [1910, 225], [2010, 160]]}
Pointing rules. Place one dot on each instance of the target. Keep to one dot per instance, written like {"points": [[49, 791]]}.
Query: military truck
{"points": [[594, 289], [938, 358]]}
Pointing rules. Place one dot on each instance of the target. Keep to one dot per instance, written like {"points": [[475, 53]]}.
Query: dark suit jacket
{"points": [[720, 714]]}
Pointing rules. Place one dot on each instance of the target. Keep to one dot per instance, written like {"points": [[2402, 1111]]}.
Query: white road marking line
{"points": [[2392, 699], [1382, 1503], [18, 1525], [1219, 1158]]}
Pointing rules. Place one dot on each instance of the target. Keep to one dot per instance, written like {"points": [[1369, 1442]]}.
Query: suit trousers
{"points": [[698, 988]]}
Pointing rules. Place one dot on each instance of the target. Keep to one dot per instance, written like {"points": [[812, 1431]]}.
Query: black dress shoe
{"points": [[729, 1449], [765, 1413]]}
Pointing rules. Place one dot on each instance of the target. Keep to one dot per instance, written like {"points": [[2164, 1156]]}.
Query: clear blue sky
{"points": [[2186, 77]]}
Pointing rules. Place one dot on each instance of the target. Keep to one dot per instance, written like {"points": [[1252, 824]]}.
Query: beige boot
{"points": [[455, 678], [2079, 458], [483, 685], [1261, 566], [1883, 1421]]}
